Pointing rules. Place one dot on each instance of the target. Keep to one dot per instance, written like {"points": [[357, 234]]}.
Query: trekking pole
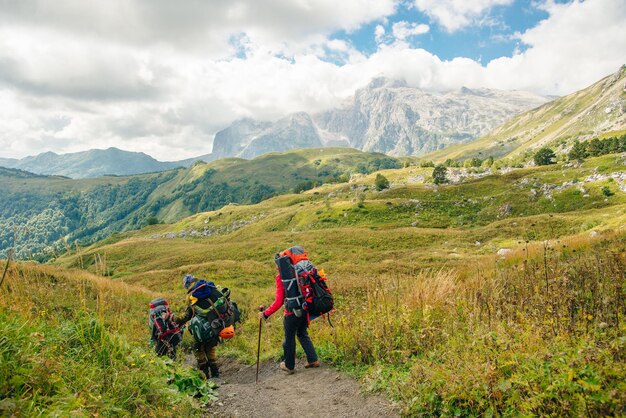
{"points": [[258, 350], [6, 267]]}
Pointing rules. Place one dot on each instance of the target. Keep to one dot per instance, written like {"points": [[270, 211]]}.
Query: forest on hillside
{"points": [[41, 216]]}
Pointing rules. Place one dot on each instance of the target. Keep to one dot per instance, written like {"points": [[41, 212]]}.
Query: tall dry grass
{"points": [[492, 337]]}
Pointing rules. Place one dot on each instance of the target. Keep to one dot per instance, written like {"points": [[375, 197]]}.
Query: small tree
{"points": [[360, 200], [607, 191], [594, 147], [488, 162], [544, 156], [381, 182], [578, 151], [439, 174]]}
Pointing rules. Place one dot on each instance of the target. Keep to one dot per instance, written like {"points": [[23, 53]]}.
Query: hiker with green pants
{"points": [[203, 298]]}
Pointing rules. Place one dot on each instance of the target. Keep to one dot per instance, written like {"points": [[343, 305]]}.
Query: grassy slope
{"points": [[373, 249], [75, 344], [92, 208], [579, 115]]}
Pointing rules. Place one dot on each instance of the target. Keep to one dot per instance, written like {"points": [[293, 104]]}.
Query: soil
{"points": [[315, 392]]}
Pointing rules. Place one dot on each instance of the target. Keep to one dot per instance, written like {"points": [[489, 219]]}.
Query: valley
{"points": [[494, 288], [449, 298]]}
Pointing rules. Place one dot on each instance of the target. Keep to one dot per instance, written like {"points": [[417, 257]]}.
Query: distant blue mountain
{"points": [[96, 163]]}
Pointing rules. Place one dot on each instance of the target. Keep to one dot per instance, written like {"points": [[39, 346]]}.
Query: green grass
{"points": [[41, 215], [74, 344], [427, 312]]}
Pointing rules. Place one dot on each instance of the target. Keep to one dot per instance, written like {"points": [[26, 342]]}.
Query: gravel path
{"points": [[320, 392]]}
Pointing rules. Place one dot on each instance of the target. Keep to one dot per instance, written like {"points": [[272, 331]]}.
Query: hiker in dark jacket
{"points": [[199, 293], [294, 327]]}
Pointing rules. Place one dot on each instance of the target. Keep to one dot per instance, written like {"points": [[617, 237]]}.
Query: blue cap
{"points": [[188, 280]]}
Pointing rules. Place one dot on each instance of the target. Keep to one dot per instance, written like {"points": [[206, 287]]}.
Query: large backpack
{"points": [[207, 324], [162, 328], [306, 291]]}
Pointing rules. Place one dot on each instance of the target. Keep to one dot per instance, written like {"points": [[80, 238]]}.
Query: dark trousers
{"points": [[297, 327], [167, 346], [206, 356]]}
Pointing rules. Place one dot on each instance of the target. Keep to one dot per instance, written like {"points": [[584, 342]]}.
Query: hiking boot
{"points": [[205, 369], [215, 372], [285, 369], [316, 363]]}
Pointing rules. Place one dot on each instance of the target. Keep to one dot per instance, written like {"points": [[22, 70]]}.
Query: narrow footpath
{"points": [[320, 392]]}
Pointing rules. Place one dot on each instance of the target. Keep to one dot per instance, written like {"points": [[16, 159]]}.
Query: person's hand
{"points": [[261, 315]]}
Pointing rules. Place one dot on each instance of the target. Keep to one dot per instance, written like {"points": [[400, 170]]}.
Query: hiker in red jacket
{"points": [[295, 326]]}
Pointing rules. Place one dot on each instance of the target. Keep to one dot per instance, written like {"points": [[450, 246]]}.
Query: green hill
{"points": [[43, 215], [596, 111], [496, 295]]}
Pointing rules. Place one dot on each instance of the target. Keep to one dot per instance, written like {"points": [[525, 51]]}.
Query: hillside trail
{"points": [[319, 392]]}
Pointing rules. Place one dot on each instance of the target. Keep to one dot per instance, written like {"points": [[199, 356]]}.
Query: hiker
{"points": [[164, 335], [297, 285], [212, 316]]}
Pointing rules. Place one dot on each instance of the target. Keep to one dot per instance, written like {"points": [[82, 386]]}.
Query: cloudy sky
{"points": [[162, 76]]}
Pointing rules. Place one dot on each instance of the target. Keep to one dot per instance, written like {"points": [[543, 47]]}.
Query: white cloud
{"points": [[68, 84], [379, 33], [578, 44], [403, 30], [457, 14]]}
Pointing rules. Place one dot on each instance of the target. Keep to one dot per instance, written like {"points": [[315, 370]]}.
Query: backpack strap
{"points": [[214, 307]]}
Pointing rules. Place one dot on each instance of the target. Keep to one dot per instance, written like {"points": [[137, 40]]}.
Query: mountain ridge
{"points": [[96, 163], [386, 116], [595, 111], [46, 210]]}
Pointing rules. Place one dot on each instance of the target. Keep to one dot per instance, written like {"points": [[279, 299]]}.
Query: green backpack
{"points": [[207, 324]]}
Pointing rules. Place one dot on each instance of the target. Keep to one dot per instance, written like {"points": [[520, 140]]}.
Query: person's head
{"points": [[188, 280]]}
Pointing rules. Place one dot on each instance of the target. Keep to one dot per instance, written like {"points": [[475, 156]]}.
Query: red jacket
{"points": [[279, 300]]}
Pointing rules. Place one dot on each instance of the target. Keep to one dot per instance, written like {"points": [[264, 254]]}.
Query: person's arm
{"points": [[278, 300], [185, 318]]}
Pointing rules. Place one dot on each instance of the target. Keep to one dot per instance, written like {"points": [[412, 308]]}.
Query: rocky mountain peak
{"points": [[386, 116], [385, 82]]}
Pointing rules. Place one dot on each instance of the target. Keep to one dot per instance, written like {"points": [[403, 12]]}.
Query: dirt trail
{"points": [[320, 392]]}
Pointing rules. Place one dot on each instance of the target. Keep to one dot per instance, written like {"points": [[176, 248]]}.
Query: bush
{"points": [[381, 182], [439, 174], [578, 152], [305, 185], [545, 156]]}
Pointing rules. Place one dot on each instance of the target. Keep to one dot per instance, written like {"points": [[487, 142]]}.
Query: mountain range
{"points": [[95, 163], [596, 111], [386, 116], [389, 117]]}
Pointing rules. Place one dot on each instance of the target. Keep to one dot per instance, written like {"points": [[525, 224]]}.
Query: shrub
{"points": [[544, 156], [381, 182], [578, 152], [439, 174]]}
